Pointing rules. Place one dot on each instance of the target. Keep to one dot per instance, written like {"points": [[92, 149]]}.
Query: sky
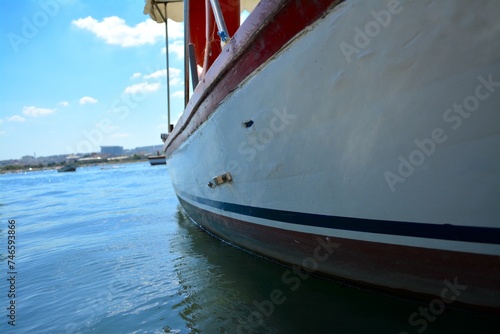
{"points": [[80, 74]]}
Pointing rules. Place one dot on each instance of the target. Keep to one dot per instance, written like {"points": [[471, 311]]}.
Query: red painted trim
{"points": [[269, 27], [203, 29], [413, 272]]}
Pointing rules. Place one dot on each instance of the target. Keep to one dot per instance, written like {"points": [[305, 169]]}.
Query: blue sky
{"points": [[78, 74]]}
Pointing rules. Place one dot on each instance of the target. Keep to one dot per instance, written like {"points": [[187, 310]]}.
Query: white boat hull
{"points": [[380, 141]]}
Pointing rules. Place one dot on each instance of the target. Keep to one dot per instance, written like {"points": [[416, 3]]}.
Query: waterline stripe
{"points": [[486, 235]]}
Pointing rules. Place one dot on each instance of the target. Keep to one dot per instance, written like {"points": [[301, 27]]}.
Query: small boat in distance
{"points": [[157, 159], [67, 168]]}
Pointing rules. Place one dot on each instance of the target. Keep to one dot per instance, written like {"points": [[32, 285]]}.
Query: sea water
{"points": [[107, 249]]}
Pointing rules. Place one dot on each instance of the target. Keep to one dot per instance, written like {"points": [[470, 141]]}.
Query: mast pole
{"points": [[165, 19], [169, 126], [186, 52]]}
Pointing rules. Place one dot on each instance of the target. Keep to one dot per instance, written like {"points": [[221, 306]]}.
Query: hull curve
{"points": [[363, 148]]}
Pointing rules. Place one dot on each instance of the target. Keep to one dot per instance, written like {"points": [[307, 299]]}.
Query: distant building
{"points": [[93, 159], [146, 149], [72, 158], [112, 150], [28, 160]]}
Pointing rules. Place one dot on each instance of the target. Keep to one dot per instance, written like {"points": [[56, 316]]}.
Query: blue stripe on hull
{"points": [[450, 232]]}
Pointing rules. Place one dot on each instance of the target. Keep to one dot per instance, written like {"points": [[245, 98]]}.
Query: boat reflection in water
{"points": [[223, 290]]}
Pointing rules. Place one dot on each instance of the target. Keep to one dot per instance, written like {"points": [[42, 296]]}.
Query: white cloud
{"points": [[142, 87], [175, 75], [63, 103], [179, 93], [113, 30], [153, 81], [36, 112], [175, 30], [176, 47], [15, 118], [156, 75], [88, 100]]}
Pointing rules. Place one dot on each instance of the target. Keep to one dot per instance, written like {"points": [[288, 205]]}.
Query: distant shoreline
{"points": [[14, 169]]}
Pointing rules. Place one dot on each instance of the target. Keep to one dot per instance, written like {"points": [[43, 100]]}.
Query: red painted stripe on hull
{"points": [[413, 272], [271, 25]]}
